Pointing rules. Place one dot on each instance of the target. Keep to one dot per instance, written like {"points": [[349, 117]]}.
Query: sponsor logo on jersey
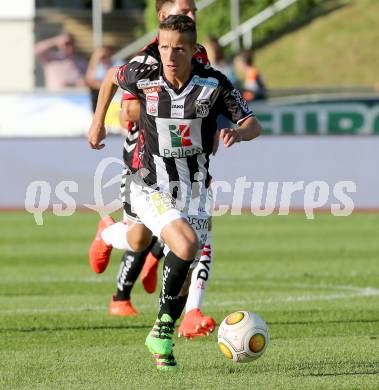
{"points": [[204, 267], [177, 110], [240, 100], [146, 83], [162, 202], [209, 82], [152, 101], [180, 135], [179, 138], [152, 108], [202, 107], [198, 223], [152, 89], [182, 152]]}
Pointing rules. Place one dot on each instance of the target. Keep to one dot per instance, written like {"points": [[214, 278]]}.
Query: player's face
{"points": [[179, 7], [176, 53]]}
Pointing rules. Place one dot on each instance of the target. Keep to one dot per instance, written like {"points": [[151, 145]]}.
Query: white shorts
{"points": [[156, 209]]}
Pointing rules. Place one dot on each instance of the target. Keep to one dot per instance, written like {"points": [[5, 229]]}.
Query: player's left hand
{"points": [[230, 136], [96, 134]]}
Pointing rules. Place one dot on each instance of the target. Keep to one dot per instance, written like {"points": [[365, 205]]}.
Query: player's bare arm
{"points": [[96, 132], [130, 111], [248, 130]]}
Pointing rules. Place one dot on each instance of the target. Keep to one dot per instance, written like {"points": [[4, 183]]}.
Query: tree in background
{"points": [[215, 19]]}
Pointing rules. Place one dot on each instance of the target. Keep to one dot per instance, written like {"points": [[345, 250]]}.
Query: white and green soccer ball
{"points": [[243, 336]]}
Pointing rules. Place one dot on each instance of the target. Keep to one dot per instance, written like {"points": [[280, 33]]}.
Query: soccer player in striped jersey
{"points": [[180, 101], [111, 234]]}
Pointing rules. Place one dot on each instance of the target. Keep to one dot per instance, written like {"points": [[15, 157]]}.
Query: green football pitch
{"points": [[315, 282]]}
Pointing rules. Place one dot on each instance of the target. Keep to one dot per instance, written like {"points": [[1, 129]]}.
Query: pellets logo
{"points": [[180, 135], [179, 138]]}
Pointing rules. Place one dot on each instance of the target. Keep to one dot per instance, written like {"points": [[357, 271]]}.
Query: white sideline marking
{"points": [[354, 292], [48, 279], [357, 292], [56, 310]]}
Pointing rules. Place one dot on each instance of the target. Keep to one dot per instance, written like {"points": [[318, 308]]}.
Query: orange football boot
{"points": [[149, 273], [99, 252], [196, 324], [122, 308]]}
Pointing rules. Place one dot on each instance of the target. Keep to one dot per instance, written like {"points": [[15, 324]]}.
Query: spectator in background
{"points": [[251, 81], [218, 61], [99, 63], [62, 68]]}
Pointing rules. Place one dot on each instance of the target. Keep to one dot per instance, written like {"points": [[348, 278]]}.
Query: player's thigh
{"points": [[181, 238], [139, 236]]}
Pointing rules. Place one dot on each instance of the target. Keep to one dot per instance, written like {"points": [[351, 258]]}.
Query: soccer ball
{"points": [[243, 336]]}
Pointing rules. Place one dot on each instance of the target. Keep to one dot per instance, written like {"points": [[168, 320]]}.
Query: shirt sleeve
{"points": [[126, 78], [232, 104], [201, 55]]}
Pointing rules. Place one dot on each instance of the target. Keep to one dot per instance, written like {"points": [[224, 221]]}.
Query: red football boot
{"points": [[99, 252], [196, 324], [149, 273], [122, 308]]}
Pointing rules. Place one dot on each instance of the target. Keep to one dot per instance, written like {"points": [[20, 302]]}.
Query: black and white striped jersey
{"points": [[149, 55], [177, 126]]}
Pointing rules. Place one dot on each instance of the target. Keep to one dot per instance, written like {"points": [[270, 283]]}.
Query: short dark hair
{"points": [[160, 3], [181, 24]]}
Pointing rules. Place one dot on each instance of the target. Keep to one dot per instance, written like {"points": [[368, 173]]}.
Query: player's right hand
{"points": [[230, 136], [96, 134]]}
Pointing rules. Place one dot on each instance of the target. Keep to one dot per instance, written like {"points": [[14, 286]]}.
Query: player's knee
{"points": [[187, 248], [181, 239], [140, 243]]}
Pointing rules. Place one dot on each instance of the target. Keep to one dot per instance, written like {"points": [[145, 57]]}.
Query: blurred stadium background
{"points": [[321, 117], [314, 282]]}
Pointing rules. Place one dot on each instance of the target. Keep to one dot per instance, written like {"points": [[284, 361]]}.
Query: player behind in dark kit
{"points": [[180, 101]]}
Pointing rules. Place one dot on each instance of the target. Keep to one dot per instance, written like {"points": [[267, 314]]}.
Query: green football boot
{"points": [[159, 342]]}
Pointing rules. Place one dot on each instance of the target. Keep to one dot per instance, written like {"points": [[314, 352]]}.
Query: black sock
{"points": [[157, 250], [174, 274], [130, 268], [182, 300]]}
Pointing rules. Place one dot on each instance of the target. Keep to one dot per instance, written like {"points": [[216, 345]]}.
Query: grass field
{"points": [[316, 283], [335, 49]]}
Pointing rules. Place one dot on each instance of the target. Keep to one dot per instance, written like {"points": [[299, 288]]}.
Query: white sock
{"points": [[116, 235], [200, 276]]}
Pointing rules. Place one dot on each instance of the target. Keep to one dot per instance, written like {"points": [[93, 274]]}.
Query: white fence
{"points": [[305, 161]]}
